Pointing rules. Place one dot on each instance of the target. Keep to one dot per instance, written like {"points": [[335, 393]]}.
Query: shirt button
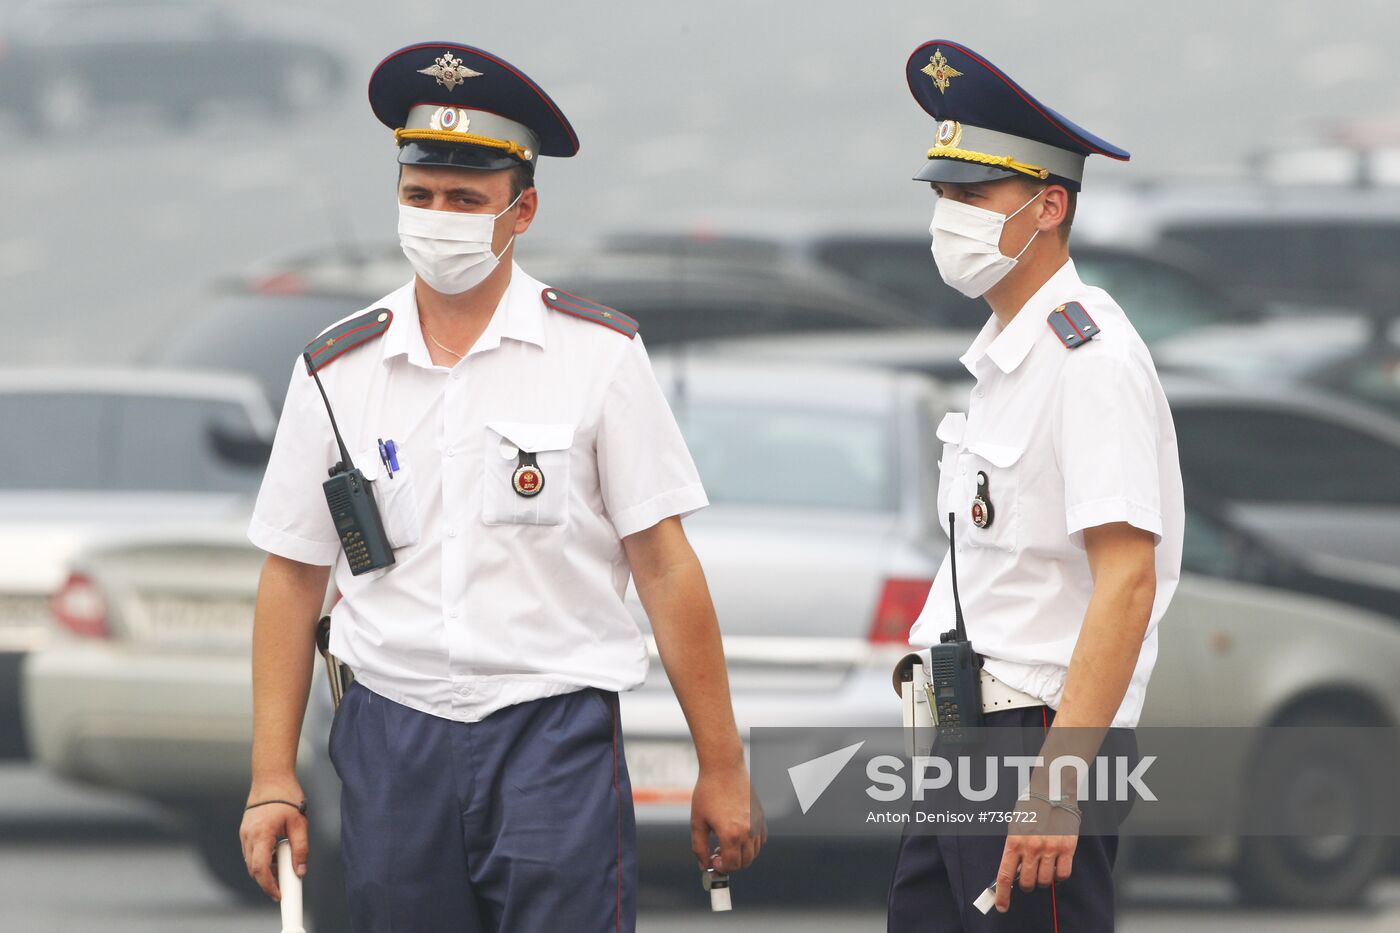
{"points": [[451, 451], [452, 613], [456, 374], [977, 392], [452, 532]]}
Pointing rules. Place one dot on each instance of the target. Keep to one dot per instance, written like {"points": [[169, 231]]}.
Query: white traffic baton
{"points": [[287, 880]]}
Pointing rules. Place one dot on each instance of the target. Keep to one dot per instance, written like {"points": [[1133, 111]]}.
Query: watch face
{"points": [[528, 480]]}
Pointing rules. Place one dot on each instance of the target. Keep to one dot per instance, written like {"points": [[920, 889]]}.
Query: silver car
{"points": [[96, 450]]}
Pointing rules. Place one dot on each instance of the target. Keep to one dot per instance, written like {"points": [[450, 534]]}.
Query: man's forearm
{"points": [[688, 640], [672, 588], [1106, 652], [290, 595], [1100, 669]]}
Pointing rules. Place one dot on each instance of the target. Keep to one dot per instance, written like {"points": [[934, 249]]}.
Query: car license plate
{"points": [[23, 611], [186, 620], [662, 772]]}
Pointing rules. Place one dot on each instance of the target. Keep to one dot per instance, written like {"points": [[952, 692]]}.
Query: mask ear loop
{"points": [[1014, 213], [512, 236]]}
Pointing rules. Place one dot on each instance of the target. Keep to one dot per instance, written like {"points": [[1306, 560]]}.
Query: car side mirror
{"points": [[239, 447]]}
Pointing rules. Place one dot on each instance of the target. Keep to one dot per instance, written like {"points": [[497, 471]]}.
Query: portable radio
{"points": [[954, 674], [351, 501]]}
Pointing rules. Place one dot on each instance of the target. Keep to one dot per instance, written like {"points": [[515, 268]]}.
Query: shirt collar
{"points": [[518, 316], [1007, 346]]}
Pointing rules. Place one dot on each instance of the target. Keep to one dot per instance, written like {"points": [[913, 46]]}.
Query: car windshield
{"points": [[792, 458], [257, 335]]}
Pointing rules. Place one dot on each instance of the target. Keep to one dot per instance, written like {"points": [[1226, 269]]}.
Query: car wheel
{"points": [[216, 839], [1325, 776]]}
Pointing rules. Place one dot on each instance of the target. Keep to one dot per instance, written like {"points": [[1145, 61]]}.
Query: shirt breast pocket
{"points": [[997, 500], [396, 496], [506, 495], [950, 432]]}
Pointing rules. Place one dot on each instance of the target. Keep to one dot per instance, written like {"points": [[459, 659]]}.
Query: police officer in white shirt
{"points": [[1064, 481], [524, 462]]}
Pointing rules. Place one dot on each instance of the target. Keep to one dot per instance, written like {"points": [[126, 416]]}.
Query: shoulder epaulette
{"points": [[1072, 324], [344, 337], [560, 300]]}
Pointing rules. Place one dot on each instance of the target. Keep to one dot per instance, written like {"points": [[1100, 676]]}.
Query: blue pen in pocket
{"points": [[389, 455]]}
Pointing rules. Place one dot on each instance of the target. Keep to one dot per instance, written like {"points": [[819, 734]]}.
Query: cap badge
{"points": [[949, 134], [940, 71], [449, 71], [452, 119]]}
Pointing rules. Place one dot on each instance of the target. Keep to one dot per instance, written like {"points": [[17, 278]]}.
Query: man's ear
{"points": [[1054, 208], [529, 204]]}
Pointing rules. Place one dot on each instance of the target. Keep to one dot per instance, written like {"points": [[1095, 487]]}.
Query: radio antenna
{"points": [[953, 559], [345, 462]]}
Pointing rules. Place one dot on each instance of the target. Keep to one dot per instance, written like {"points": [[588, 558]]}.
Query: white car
{"points": [[94, 450]]}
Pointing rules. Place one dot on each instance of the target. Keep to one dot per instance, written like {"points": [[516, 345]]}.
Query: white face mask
{"points": [[450, 250], [967, 245]]}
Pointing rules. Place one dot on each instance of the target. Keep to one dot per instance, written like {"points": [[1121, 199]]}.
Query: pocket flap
{"points": [[1000, 455], [532, 437], [367, 462], [950, 429]]}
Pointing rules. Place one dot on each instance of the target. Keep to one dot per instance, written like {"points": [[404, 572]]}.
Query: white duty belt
{"points": [[919, 729], [996, 696]]}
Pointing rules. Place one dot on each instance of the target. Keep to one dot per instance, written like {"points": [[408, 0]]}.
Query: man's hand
{"points": [[1037, 853], [263, 826], [720, 805]]}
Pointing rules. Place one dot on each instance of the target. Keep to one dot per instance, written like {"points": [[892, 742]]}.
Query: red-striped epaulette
{"points": [[589, 310], [344, 337], [1072, 324]]}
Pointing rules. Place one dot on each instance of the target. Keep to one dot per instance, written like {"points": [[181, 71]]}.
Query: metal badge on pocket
{"points": [[982, 511], [528, 478]]}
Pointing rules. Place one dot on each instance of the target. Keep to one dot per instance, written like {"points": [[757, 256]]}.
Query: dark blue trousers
{"points": [[521, 822], [938, 876]]}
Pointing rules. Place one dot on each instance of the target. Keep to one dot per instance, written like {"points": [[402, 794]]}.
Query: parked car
{"points": [[94, 450], [1225, 548], [1344, 353], [1169, 300], [1169, 290], [819, 549], [258, 326], [66, 63], [1298, 466], [1371, 376], [1295, 246]]}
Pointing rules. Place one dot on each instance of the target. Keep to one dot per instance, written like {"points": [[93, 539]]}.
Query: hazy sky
{"points": [[687, 113]]}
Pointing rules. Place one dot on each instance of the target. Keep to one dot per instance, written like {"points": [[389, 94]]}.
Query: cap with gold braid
{"points": [[989, 127], [454, 105]]}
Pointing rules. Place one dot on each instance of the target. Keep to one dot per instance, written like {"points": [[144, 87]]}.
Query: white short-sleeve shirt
{"points": [[1068, 439], [494, 598]]}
